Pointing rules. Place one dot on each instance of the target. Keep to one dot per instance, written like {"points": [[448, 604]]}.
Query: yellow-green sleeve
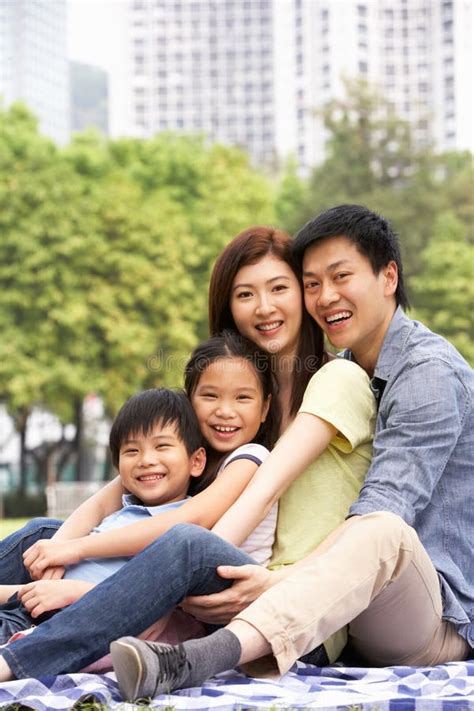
{"points": [[340, 394]]}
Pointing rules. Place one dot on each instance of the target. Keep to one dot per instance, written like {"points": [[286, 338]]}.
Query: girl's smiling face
{"points": [[267, 307], [229, 403]]}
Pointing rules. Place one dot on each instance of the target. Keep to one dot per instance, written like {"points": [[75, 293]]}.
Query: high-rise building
{"points": [[33, 61], [255, 72], [417, 52], [202, 66], [89, 97]]}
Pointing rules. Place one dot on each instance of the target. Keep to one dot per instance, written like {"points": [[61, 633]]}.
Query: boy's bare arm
{"points": [[45, 595], [204, 509], [82, 521], [6, 591]]}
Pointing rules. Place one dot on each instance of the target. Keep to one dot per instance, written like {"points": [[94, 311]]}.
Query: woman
{"points": [[254, 288]]}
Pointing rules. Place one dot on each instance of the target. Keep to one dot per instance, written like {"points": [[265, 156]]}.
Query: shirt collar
{"points": [[392, 347], [393, 344], [132, 500]]}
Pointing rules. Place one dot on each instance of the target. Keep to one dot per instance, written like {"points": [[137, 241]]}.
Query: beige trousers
{"points": [[377, 578]]}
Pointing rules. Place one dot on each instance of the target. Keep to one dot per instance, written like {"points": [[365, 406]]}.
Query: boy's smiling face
{"points": [[156, 467]]}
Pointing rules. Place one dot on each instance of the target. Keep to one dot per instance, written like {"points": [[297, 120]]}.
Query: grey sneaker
{"points": [[146, 669]]}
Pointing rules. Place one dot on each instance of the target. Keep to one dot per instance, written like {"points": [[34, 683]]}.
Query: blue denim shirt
{"points": [[423, 455]]}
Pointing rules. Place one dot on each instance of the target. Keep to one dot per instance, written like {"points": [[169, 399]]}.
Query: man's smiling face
{"points": [[350, 303]]}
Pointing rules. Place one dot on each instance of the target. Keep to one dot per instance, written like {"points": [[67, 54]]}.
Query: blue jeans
{"points": [[14, 617], [12, 570], [181, 562]]}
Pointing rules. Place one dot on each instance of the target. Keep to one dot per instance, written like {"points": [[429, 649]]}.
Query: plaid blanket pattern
{"points": [[448, 687]]}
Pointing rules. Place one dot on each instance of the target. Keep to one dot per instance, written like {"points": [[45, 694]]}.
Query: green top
{"points": [[318, 501]]}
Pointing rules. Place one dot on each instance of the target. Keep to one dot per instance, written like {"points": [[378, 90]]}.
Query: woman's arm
{"points": [[204, 509], [303, 442]]}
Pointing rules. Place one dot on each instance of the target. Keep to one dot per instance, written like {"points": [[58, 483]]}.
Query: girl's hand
{"points": [[45, 595], [54, 573], [250, 581], [49, 554]]}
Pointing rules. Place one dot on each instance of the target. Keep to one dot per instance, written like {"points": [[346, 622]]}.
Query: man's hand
{"points": [[250, 581], [45, 595], [50, 554]]}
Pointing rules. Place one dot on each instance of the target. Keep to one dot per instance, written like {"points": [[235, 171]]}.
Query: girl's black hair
{"points": [[230, 344], [146, 409]]}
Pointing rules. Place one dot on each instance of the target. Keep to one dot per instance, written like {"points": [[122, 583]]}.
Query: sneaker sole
{"points": [[128, 668]]}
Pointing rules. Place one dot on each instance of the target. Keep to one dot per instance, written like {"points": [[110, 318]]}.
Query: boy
{"points": [[156, 446]]}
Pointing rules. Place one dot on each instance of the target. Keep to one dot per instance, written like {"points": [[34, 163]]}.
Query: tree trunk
{"points": [[21, 424], [82, 472]]}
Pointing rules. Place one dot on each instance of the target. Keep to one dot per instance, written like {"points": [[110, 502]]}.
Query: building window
{"points": [[363, 68]]}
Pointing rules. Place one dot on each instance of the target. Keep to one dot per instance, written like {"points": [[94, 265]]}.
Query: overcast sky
{"points": [[94, 31]]}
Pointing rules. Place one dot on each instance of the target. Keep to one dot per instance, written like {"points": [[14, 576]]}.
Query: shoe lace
{"points": [[174, 667]]}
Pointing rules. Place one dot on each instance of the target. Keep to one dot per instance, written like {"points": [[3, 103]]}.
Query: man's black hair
{"points": [[151, 407], [372, 235]]}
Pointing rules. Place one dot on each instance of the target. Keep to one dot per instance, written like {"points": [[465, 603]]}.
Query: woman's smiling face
{"points": [[266, 304]]}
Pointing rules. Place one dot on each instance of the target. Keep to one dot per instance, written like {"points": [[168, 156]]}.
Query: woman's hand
{"points": [[45, 595], [250, 581], [50, 554]]}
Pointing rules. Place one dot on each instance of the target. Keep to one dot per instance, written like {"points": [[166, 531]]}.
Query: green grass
{"points": [[8, 525]]}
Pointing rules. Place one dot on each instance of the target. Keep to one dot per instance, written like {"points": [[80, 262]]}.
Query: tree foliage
{"points": [[372, 159], [105, 255], [444, 290]]}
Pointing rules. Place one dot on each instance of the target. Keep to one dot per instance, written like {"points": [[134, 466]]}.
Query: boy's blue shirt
{"points": [[423, 455], [94, 570]]}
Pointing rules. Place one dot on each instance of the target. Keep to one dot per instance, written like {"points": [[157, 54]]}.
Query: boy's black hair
{"points": [[372, 235], [146, 409]]}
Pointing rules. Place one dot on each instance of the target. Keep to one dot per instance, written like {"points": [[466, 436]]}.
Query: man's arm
{"points": [[250, 582], [420, 421]]}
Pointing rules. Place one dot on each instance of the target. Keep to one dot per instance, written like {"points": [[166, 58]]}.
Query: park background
{"points": [[106, 248]]}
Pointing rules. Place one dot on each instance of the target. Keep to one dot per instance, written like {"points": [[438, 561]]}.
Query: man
{"points": [[400, 570]]}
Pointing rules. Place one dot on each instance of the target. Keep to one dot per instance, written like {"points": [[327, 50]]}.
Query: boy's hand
{"points": [[250, 581], [45, 595], [50, 554]]}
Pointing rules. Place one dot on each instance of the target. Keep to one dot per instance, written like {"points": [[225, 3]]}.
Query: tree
{"points": [[105, 254], [372, 159], [444, 290]]}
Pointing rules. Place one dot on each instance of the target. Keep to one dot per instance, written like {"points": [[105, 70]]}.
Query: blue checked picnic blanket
{"points": [[447, 687]]}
